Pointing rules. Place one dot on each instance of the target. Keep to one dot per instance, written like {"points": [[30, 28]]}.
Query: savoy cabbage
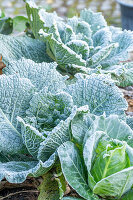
{"points": [[45, 113], [106, 151], [84, 44], [37, 107]]}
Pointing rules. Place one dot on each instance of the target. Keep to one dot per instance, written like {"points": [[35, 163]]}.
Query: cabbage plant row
{"points": [[62, 115]]}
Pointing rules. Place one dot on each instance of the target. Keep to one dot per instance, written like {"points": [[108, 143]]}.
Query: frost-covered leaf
{"points": [[15, 94], [58, 136], [40, 74], [96, 20], [80, 124], [121, 53], [79, 47], [31, 137], [123, 76], [102, 54], [114, 128], [13, 48], [39, 18], [49, 109], [73, 169], [129, 121], [16, 171], [102, 37], [99, 93], [63, 55]]}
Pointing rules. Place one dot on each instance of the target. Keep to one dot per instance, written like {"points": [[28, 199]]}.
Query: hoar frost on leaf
{"points": [[84, 42]]}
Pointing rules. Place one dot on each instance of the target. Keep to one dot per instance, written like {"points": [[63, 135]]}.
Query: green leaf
{"points": [[80, 27], [2, 14], [63, 55], [49, 109], [80, 125], [115, 185], [99, 93], [128, 195], [6, 25], [79, 47], [71, 198], [122, 73], [19, 23], [48, 188], [39, 18], [114, 128], [110, 161], [89, 154], [73, 169], [59, 177]]}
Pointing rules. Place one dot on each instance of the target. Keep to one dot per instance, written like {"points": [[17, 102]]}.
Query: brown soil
{"points": [[24, 191], [128, 94]]}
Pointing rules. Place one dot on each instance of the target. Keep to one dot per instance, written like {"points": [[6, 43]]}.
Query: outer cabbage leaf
{"points": [[40, 74], [114, 128], [39, 18], [129, 121], [16, 171], [73, 169], [80, 125], [49, 189], [96, 20], [13, 48], [15, 94], [32, 138], [102, 37], [121, 53], [122, 73], [63, 55], [99, 93], [79, 47], [99, 56], [89, 154]]}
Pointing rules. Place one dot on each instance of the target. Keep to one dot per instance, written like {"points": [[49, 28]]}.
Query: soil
{"points": [[28, 190]]}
